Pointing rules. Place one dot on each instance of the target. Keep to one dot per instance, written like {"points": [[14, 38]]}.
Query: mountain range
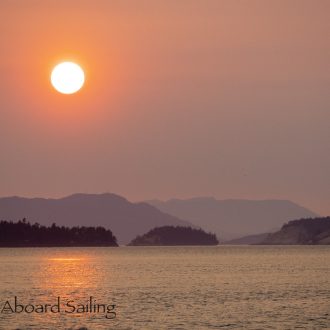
{"points": [[228, 219], [234, 218], [125, 219]]}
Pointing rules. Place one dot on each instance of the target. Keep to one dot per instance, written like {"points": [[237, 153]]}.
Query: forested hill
{"points": [[24, 234], [303, 231], [170, 235]]}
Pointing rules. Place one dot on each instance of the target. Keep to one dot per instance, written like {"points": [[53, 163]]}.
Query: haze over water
{"points": [[222, 287]]}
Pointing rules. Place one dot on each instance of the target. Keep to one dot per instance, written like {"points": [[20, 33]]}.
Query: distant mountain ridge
{"points": [[125, 219], [234, 218], [248, 240]]}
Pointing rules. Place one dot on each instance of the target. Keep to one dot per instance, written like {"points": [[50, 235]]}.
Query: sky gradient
{"points": [[228, 98]]}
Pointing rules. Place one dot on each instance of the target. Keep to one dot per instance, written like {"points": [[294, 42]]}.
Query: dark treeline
{"points": [[24, 234], [170, 235], [311, 226], [314, 225]]}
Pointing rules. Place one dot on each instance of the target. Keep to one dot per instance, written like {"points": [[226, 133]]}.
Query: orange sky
{"points": [[182, 98]]}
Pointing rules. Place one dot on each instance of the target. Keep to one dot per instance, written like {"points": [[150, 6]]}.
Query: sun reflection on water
{"points": [[65, 259], [63, 274]]}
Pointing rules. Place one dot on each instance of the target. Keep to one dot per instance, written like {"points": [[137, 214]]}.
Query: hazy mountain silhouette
{"points": [[125, 219], [250, 239], [233, 218]]}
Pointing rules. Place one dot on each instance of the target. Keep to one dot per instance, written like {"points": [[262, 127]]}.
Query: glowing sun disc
{"points": [[67, 77]]}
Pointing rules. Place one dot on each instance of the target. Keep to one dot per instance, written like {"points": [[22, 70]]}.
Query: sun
{"points": [[67, 77]]}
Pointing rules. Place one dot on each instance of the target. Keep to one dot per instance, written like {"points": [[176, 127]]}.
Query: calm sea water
{"points": [[223, 287]]}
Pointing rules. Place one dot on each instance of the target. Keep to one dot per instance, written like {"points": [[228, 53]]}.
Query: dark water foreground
{"points": [[221, 287]]}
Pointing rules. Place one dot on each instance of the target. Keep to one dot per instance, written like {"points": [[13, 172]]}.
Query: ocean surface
{"points": [[222, 287]]}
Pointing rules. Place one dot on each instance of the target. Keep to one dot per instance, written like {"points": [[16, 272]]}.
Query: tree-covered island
{"points": [[25, 234], [171, 236]]}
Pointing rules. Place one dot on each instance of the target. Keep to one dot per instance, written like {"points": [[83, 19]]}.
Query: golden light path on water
{"points": [[253, 287], [64, 273], [65, 259]]}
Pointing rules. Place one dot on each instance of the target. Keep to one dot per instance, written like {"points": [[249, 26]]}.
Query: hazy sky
{"points": [[229, 98]]}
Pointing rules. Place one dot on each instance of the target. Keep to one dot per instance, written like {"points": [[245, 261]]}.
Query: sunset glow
{"points": [[164, 164], [67, 77]]}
